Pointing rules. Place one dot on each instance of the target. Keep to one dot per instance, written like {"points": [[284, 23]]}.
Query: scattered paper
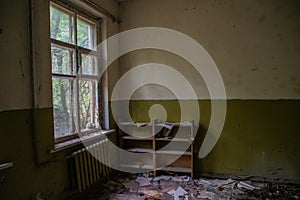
{"points": [[125, 196], [150, 192], [209, 189], [167, 185], [166, 178], [219, 182], [143, 181], [204, 182], [207, 195], [179, 192], [215, 183], [169, 128], [181, 178]]}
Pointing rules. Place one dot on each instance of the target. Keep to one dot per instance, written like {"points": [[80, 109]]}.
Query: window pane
{"points": [[62, 105], [61, 25], [88, 65], [62, 60], [88, 105], [85, 34]]}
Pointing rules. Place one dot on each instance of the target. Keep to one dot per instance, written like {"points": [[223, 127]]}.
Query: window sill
{"points": [[76, 141]]}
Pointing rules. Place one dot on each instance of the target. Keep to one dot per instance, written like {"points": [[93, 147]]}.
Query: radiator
{"points": [[88, 168]]}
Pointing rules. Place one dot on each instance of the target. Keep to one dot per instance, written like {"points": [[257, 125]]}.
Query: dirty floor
{"points": [[170, 186]]}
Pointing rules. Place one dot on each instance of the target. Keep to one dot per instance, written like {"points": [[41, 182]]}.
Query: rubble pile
{"points": [[169, 187]]}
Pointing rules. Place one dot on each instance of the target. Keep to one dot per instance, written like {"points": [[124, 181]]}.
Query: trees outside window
{"points": [[74, 73]]}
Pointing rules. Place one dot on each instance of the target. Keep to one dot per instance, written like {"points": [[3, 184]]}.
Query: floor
{"points": [[181, 187]]}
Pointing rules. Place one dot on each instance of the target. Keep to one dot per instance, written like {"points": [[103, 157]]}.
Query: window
{"points": [[74, 73]]}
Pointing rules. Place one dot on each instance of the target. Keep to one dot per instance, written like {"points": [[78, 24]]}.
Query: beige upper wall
{"points": [[109, 5], [255, 43], [15, 71]]}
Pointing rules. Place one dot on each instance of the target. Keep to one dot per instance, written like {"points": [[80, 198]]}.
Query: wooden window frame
{"points": [[79, 51]]}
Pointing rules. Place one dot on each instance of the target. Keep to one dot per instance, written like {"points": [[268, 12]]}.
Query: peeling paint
{"points": [[259, 136], [21, 68], [239, 36], [39, 91]]}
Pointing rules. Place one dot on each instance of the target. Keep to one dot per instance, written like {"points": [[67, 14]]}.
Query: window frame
{"points": [[78, 52]]}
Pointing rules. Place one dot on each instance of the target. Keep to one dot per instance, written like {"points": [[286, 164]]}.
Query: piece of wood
{"points": [[137, 138], [174, 152], [6, 165], [137, 166], [154, 147], [176, 169], [140, 150], [174, 139]]}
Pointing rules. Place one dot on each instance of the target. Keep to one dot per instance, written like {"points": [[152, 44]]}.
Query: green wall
{"points": [[260, 137], [28, 177], [26, 140]]}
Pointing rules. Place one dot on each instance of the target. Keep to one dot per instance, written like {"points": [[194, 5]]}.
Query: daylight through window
{"points": [[74, 73]]}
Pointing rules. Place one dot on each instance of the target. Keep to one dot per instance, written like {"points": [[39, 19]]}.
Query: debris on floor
{"points": [[173, 187], [143, 181], [247, 186], [178, 192]]}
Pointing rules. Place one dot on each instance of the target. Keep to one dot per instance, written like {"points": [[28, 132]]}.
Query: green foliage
{"points": [[65, 92], [61, 26]]}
